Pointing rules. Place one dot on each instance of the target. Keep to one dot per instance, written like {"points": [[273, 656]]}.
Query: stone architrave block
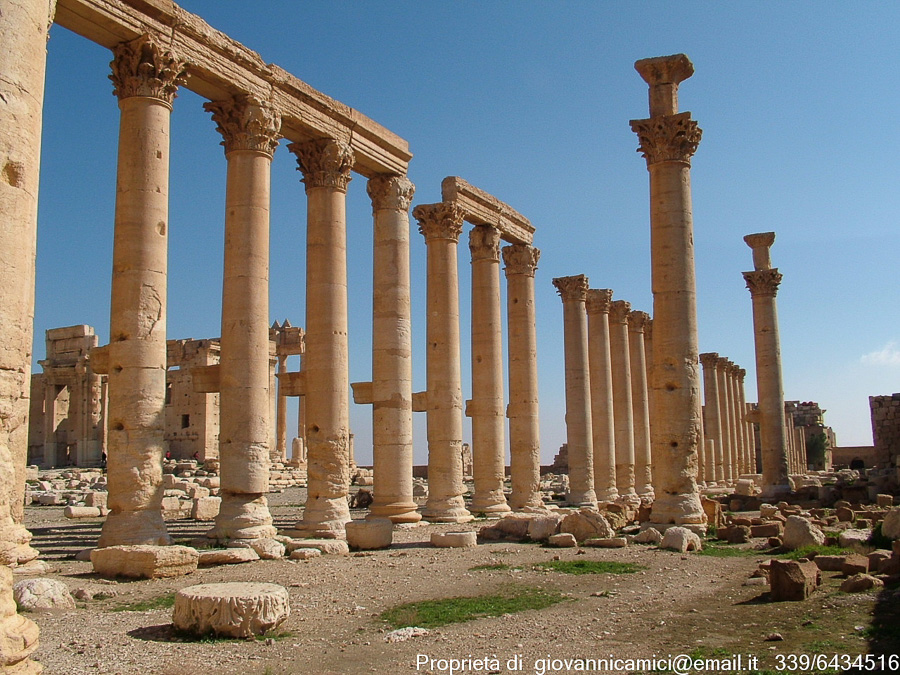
{"points": [[792, 580], [144, 561], [236, 609], [372, 533], [37, 595]]}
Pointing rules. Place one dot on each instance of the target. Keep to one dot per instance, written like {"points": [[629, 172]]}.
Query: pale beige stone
{"points": [[236, 609], [18, 635], [372, 533], [606, 542], [454, 539], [206, 508], [97, 499], [622, 397], [681, 539], [712, 420], [40, 595], [81, 512], [227, 556], [542, 527], [305, 553], [890, 526], [602, 410], [268, 549], [586, 524], [563, 540], [326, 546], [144, 561], [799, 532], [640, 404]]}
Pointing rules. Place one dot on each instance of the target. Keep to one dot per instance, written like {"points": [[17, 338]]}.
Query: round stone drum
{"points": [[239, 610]]}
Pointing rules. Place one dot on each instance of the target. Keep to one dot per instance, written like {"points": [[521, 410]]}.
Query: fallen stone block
{"points": [[144, 561], [773, 529], [855, 564], [681, 539], [81, 512], [40, 595], [97, 499], [454, 539], [791, 580], [236, 609], [854, 538], [370, 534], [227, 556], [609, 542], [544, 525], [649, 536], [890, 526], [305, 553], [268, 549], [586, 524], [206, 508], [830, 563], [859, 583], [326, 546], [562, 540], [876, 558]]}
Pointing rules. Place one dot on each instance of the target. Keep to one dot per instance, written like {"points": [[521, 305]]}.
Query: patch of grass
{"points": [[490, 567], [818, 550], [591, 567], [825, 646], [212, 638], [162, 602], [725, 551], [434, 613]]}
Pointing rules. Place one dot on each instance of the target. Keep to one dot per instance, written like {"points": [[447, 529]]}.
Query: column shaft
{"points": [[281, 414], [441, 224], [740, 464], [487, 405], [725, 414], [392, 442], [579, 431], [643, 480], [524, 429], [602, 410], [712, 421], [623, 404]]}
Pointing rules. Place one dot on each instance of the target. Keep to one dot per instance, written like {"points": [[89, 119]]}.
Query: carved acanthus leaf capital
{"points": [[443, 220], [572, 288], [325, 162], [741, 373], [484, 243], [246, 123], [598, 300], [763, 282], [709, 359], [390, 192], [669, 138], [618, 311], [637, 321], [722, 364], [142, 67], [520, 259]]}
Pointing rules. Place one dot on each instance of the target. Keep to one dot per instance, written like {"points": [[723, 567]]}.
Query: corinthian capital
{"points": [[599, 300], [618, 311], [484, 243], [669, 138], [325, 162], [763, 282], [246, 123], [637, 321], [520, 259], [443, 220], [390, 192], [572, 288], [142, 67], [709, 360]]}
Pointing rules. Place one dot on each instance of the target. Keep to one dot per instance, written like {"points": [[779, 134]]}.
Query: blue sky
{"points": [[798, 102]]}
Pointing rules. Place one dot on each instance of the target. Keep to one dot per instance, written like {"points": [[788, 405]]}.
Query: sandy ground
{"points": [[678, 604]]}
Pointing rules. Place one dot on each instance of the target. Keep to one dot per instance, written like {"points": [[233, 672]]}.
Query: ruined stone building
{"points": [[886, 429]]}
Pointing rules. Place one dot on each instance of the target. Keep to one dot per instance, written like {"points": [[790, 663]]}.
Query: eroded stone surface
{"points": [[239, 610], [144, 561], [37, 595]]}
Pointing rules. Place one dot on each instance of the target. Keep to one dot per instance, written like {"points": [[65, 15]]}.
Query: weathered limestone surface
{"points": [[250, 129], [454, 539], [586, 524], [486, 407], [36, 595], [144, 561], [236, 609], [622, 397], [799, 532], [640, 404], [668, 139], [392, 445], [326, 166], [524, 430], [441, 225], [791, 580], [18, 635], [372, 533], [579, 433], [763, 285], [681, 539], [602, 409]]}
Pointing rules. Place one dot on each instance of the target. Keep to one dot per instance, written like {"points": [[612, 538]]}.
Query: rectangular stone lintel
{"points": [[480, 208], [420, 401], [100, 360], [362, 392], [292, 383], [205, 379]]}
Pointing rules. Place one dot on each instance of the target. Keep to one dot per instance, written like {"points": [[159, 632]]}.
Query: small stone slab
{"points": [[454, 539], [144, 561], [608, 542], [305, 553], [238, 610], [372, 533], [227, 556], [562, 540]]}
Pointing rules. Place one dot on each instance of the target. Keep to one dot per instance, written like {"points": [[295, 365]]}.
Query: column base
{"points": [[489, 504], [579, 499], [526, 501], [325, 517], [608, 495], [131, 528], [630, 498], [18, 634], [683, 510], [14, 545], [397, 512], [775, 492], [447, 510], [242, 516]]}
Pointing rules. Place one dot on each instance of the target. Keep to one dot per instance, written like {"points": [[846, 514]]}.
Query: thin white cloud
{"points": [[889, 355]]}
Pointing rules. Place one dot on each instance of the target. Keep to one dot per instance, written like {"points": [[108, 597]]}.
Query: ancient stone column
{"points": [[487, 405], [579, 432], [623, 406], [250, 129], [392, 427], [643, 480], [746, 426], [763, 285], [145, 77], [602, 415], [281, 415], [740, 464], [23, 57], [524, 430], [326, 165], [712, 420], [668, 140], [791, 441], [725, 419], [441, 224]]}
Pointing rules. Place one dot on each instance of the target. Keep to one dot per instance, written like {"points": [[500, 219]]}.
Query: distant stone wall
{"points": [[886, 428], [841, 457]]}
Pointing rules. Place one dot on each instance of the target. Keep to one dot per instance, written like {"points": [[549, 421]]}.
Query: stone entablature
{"points": [[480, 208], [219, 67]]}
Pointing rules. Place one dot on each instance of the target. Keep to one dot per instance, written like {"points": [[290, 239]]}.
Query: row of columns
{"points": [[607, 400], [730, 449], [441, 224]]}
